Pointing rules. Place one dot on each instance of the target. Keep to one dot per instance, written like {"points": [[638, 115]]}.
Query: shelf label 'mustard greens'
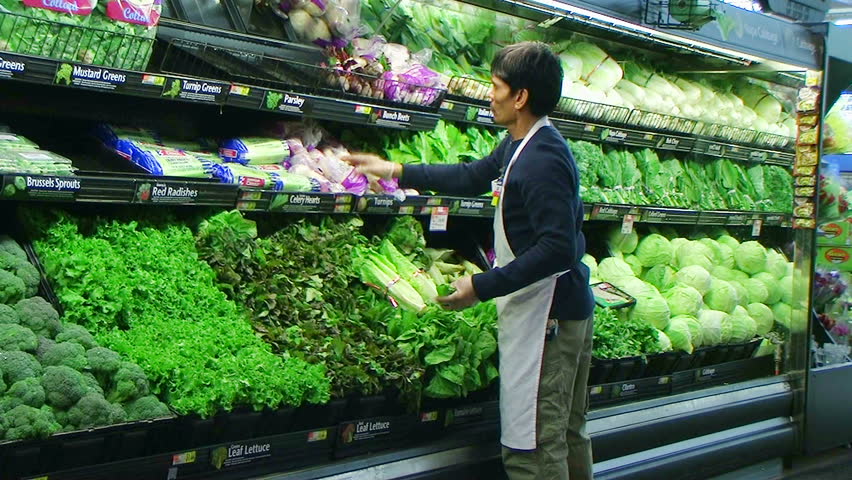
{"points": [[88, 76]]}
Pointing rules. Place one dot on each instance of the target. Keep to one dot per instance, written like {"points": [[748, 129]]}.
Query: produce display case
{"points": [[248, 54], [830, 373]]}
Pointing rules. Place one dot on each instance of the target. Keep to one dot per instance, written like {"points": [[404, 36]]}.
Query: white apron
{"points": [[522, 321]]}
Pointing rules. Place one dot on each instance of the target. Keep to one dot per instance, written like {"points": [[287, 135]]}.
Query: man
{"points": [[545, 306]]}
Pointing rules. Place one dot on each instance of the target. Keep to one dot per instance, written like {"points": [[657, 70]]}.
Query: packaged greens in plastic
{"points": [[162, 161], [35, 161], [11, 141], [254, 150], [249, 176]]}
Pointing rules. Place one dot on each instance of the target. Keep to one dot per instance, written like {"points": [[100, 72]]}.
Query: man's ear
{"points": [[522, 96]]}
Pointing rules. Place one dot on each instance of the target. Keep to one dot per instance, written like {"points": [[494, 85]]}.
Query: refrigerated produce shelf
{"points": [[271, 96]]}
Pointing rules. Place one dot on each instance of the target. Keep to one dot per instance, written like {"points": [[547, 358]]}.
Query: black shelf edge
{"points": [[181, 191], [45, 71]]}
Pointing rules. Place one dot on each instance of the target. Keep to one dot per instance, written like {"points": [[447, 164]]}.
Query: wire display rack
{"points": [[660, 121], [576, 109], [199, 59], [73, 43], [468, 88], [733, 134]]}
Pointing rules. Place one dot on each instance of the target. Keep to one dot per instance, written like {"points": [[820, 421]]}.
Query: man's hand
{"points": [[374, 165], [463, 297]]}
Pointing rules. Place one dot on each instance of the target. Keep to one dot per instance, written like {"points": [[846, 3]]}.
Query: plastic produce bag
{"points": [[256, 177], [254, 150], [163, 161], [327, 23]]}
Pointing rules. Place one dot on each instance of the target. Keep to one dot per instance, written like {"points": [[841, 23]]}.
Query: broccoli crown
{"points": [[24, 422], [94, 410], [64, 386], [11, 287], [44, 344], [77, 334], [8, 314], [65, 353], [145, 408], [92, 383], [39, 315], [129, 383], [9, 261], [18, 366], [10, 246], [29, 274], [103, 362], [24, 392], [17, 337]]}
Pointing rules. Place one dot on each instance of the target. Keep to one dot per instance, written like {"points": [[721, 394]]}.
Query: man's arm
{"points": [[548, 192], [463, 179]]}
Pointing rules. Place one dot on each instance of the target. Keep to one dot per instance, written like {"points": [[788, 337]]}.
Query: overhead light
{"points": [[555, 7], [843, 21]]}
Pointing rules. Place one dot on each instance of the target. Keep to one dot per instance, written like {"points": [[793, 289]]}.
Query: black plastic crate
{"points": [[616, 370], [662, 363]]}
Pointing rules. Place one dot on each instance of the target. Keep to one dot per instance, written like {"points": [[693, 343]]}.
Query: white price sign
{"points": [[438, 219], [627, 224]]}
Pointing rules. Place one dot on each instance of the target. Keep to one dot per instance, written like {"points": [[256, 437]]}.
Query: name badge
{"points": [[496, 191]]}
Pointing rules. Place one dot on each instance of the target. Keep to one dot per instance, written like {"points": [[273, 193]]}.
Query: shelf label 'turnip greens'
{"points": [[195, 90]]}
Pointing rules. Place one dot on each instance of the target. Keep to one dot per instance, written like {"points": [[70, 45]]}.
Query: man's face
{"points": [[504, 103]]}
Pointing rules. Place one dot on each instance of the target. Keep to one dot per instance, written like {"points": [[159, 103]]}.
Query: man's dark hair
{"points": [[531, 65]]}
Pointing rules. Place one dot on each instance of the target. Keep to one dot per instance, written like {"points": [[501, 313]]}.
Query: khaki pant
{"points": [[564, 449]]}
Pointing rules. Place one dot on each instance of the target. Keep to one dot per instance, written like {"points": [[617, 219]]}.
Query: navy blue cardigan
{"points": [[542, 217]]}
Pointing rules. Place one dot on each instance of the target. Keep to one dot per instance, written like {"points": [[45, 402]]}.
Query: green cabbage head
{"points": [[757, 291], [743, 327], [652, 310], [722, 296], [623, 242], [763, 317], [679, 334], [590, 262], [773, 287], [654, 249], [750, 257], [683, 300], [660, 276], [696, 277], [612, 268], [711, 326]]}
